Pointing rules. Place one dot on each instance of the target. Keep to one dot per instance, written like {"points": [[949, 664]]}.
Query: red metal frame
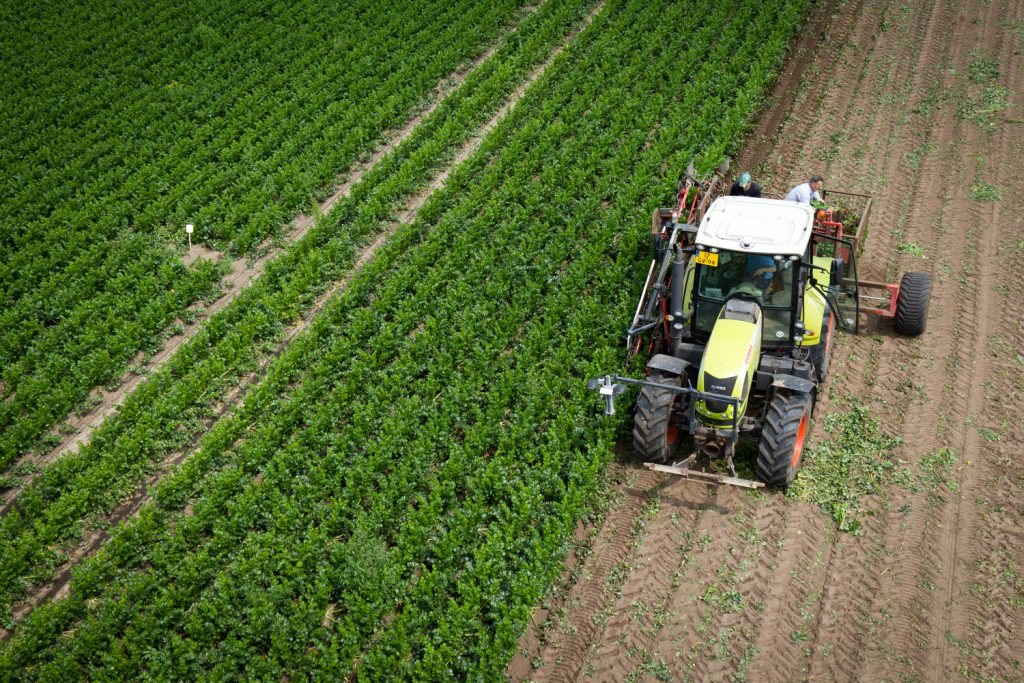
{"points": [[888, 309], [883, 304]]}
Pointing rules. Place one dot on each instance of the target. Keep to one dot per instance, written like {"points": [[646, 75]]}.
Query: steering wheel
{"points": [[744, 289]]}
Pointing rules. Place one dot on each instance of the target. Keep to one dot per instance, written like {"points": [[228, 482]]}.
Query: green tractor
{"points": [[742, 299]]}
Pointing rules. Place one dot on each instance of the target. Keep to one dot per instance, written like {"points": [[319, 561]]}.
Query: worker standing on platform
{"points": [[805, 192], [745, 187]]}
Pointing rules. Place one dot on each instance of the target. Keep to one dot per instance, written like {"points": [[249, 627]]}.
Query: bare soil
{"points": [[683, 581]]}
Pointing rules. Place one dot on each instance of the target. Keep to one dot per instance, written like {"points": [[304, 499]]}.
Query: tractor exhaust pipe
{"points": [[675, 330], [678, 274]]}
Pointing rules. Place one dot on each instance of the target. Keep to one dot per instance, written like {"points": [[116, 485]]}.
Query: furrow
{"points": [[564, 657], [793, 587]]}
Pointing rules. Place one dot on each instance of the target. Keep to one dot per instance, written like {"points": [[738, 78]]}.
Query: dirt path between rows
{"points": [[101, 530], [904, 101], [77, 428]]}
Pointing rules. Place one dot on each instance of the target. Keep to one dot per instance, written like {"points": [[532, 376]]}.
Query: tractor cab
{"points": [[768, 251]]}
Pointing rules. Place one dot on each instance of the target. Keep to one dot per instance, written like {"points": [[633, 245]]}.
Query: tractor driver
{"points": [[759, 277], [762, 271], [745, 187]]}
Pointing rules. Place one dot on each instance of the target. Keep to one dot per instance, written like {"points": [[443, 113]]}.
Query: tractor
{"points": [[738, 311]]}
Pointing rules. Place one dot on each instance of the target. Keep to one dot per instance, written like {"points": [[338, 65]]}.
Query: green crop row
{"points": [[168, 410], [124, 122], [396, 495]]}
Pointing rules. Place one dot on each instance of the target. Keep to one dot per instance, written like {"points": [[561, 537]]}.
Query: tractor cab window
{"points": [[758, 276]]}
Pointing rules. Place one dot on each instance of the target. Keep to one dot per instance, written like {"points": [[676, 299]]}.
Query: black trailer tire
{"points": [[655, 435], [782, 438], [819, 353], [912, 303]]}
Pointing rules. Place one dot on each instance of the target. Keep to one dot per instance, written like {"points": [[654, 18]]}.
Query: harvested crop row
{"points": [[408, 476]]}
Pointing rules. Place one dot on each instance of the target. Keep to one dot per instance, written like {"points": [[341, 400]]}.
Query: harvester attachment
{"points": [[671, 229]]}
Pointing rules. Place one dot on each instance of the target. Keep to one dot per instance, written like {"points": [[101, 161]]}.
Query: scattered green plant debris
{"points": [[729, 601], [911, 248], [988, 434], [934, 471], [979, 105], [858, 461], [983, 192], [983, 70], [1017, 26], [916, 156]]}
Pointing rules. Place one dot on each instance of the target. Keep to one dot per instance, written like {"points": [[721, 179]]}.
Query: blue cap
{"points": [[744, 180]]}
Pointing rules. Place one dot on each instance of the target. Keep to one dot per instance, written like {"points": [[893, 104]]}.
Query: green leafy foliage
{"points": [[395, 495], [125, 122]]}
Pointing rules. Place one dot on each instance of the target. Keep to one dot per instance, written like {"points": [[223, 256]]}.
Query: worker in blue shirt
{"points": [[805, 192]]}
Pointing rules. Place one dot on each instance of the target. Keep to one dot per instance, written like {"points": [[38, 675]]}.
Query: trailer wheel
{"points": [[819, 353], [782, 439], [655, 436], [912, 303]]}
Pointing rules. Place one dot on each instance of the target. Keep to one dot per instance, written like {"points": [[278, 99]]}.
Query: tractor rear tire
{"points": [[912, 303], [819, 353], [782, 438], [655, 436]]}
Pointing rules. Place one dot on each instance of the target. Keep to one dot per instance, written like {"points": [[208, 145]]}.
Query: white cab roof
{"points": [[756, 226]]}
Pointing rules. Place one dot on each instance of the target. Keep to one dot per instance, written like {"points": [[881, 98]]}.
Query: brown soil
{"points": [[689, 582]]}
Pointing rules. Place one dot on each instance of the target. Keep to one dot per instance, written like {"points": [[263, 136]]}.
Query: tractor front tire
{"points": [[912, 303], [782, 439], [655, 435]]}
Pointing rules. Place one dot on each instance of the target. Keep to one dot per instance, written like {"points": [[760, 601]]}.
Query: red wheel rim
{"points": [[798, 448], [673, 434]]}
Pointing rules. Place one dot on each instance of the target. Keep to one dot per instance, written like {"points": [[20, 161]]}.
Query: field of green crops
{"points": [[398, 492]]}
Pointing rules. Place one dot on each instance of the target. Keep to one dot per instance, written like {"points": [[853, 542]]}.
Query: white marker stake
{"points": [[188, 229]]}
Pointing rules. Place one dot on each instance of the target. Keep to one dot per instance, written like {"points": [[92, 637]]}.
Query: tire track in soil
{"points": [[815, 137], [76, 429], [905, 601], [873, 366], [93, 538], [827, 85], [879, 369], [841, 607], [664, 572], [979, 634], [992, 590], [718, 611], [794, 585]]}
